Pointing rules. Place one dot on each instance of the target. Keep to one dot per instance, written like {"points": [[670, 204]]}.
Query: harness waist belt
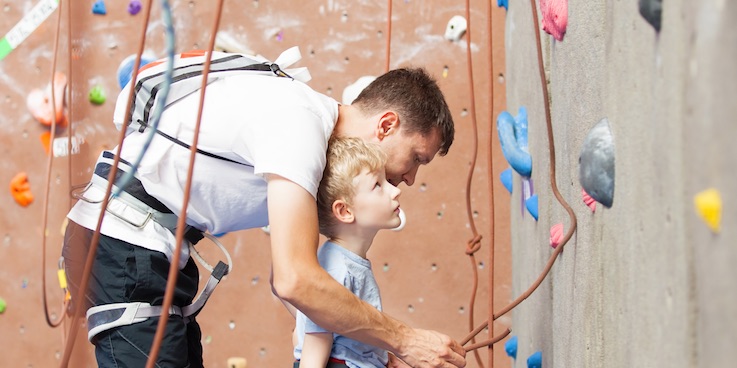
{"points": [[135, 189]]}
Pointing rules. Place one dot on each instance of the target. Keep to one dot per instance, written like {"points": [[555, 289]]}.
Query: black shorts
{"points": [[122, 273]]}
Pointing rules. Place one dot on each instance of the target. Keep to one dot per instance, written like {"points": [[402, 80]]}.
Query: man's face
{"points": [[406, 152]]}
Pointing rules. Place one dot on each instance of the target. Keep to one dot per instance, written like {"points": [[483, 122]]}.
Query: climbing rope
{"points": [[182, 221], [47, 186], [553, 183], [77, 307]]}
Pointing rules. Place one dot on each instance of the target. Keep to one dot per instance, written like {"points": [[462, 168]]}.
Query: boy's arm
{"points": [[316, 350], [299, 279]]}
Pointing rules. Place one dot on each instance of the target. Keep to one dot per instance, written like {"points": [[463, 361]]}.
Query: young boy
{"points": [[354, 202]]}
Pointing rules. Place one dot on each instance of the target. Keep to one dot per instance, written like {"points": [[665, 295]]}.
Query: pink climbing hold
{"points": [[556, 235], [555, 17], [588, 200]]}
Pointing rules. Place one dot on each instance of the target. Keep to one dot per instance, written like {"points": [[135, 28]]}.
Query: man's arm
{"points": [[299, 279], [316, 350]]}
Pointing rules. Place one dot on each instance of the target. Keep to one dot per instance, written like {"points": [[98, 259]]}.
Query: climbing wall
{"points": [[424, 273], [648, 279]]}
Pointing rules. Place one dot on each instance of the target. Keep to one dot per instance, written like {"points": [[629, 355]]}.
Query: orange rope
{"points": [[474, 244], [47, 186], [553, 184], [490, 180], [388, 35], [182, 221], [77, 307]]}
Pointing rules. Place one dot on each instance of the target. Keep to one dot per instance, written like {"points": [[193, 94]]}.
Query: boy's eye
{"points": [[377, 185]]}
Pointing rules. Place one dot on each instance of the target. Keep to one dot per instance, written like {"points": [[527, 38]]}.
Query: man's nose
{"points": [[409, 177]]}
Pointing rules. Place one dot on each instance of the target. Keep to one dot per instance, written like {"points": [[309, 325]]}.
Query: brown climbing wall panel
{"points": [[424, 273]]}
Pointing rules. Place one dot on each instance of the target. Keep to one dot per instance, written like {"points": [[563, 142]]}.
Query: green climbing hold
{"points": [[2, 305], [97, 95]]}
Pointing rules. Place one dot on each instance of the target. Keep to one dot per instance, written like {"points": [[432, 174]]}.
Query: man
{"points": [[261, 137]]}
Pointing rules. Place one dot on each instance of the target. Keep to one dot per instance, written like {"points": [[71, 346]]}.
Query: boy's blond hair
{"points": [[346, 159]]}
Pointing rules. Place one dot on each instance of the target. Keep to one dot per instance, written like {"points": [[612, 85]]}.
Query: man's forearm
{"points": [[333, 307]]}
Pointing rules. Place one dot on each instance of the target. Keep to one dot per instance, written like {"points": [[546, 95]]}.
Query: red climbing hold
{"points": [[588, 200]]}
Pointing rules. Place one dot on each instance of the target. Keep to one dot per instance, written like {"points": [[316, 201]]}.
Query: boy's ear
{"points": [[388, 124], [343, 212]]}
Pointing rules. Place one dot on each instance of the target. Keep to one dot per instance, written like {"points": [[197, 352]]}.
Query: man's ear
{"points": [[388, 124], [343, 212]]}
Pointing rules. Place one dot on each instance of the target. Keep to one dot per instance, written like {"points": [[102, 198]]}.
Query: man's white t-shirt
{"points": [[269, 125]]}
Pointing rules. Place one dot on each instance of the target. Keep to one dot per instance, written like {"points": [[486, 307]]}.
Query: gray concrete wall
{"points": [[644, 283]]}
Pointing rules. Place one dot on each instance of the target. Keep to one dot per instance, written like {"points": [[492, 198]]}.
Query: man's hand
{"points": [[395, 362], [428, 349]]}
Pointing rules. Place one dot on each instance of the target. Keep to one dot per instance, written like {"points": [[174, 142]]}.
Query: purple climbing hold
{"points": [[134, 7], [99, 8]]}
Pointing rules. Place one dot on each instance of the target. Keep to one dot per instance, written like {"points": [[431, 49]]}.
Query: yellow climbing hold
{"points": [[709, 206]]}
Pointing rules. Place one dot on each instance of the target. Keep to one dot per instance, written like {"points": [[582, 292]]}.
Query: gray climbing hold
{"points": [[652, 11], [596, 172]]}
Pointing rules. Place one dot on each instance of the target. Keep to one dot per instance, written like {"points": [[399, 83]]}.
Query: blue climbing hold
{"points": [[125, 70], [99, 8], [506, 178], [535, 360], [511, 347], [513, 138], [503, 3], [531, 204]]}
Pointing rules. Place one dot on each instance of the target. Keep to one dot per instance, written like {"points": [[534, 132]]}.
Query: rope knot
{"points": [[473, 245]]}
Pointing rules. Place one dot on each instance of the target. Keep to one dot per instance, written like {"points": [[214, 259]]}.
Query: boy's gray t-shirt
{"points": [[354, 272]]}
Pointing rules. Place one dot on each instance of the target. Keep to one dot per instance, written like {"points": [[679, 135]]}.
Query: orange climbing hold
{"points": [[39, 102], [20, 188]]}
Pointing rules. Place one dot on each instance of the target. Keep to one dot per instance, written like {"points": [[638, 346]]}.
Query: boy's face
{"points": [[375, 203], [406, 152]]}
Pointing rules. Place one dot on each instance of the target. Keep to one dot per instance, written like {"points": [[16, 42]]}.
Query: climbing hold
{"points": [[535, 360], [555, 17], [556, 235], [46, 141], [125, 69], [511, 347], [588, 200], [531, 204], [39, 102], [503, 3], [134, 7], [237, 362], [596, 173], [709, 206], [651, 10], [97, 95], [456, 28], [402, 220], [513, 138], [99, 7], [506, 178], [3, 305], [352, 91], [20, 188]]}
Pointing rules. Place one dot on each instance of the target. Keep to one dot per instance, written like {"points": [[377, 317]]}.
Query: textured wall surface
{"points": [[644, 283], [423, 271]]}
